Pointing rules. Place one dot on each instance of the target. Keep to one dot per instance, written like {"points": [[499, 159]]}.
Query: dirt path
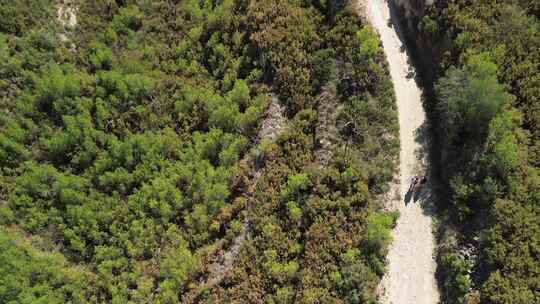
{"points": [[411, 266]]}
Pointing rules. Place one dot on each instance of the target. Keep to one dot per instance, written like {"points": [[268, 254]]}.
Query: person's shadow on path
{"points": [[409, 196], [415, 193]]}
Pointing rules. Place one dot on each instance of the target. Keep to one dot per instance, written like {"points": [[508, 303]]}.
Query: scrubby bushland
{"points": [[485, 112], [120, 157], [315, 235]]}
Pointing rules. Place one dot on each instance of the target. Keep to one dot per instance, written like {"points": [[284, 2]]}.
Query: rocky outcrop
{"points": [[67, 16]]}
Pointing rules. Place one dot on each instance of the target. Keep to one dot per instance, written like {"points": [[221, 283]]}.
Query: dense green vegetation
{"points": [[485, 111], [120, 152]]}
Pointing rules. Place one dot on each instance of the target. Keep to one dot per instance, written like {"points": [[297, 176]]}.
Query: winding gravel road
{"points": [[410, 278]]}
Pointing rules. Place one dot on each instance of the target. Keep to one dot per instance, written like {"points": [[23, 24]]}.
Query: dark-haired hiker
{"points": [[413, 184]]}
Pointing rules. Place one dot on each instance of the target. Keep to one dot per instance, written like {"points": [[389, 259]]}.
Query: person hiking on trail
{"points": [[413, 184]]}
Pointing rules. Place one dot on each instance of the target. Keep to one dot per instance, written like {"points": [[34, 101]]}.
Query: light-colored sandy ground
{"points": [[410, 278]]}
